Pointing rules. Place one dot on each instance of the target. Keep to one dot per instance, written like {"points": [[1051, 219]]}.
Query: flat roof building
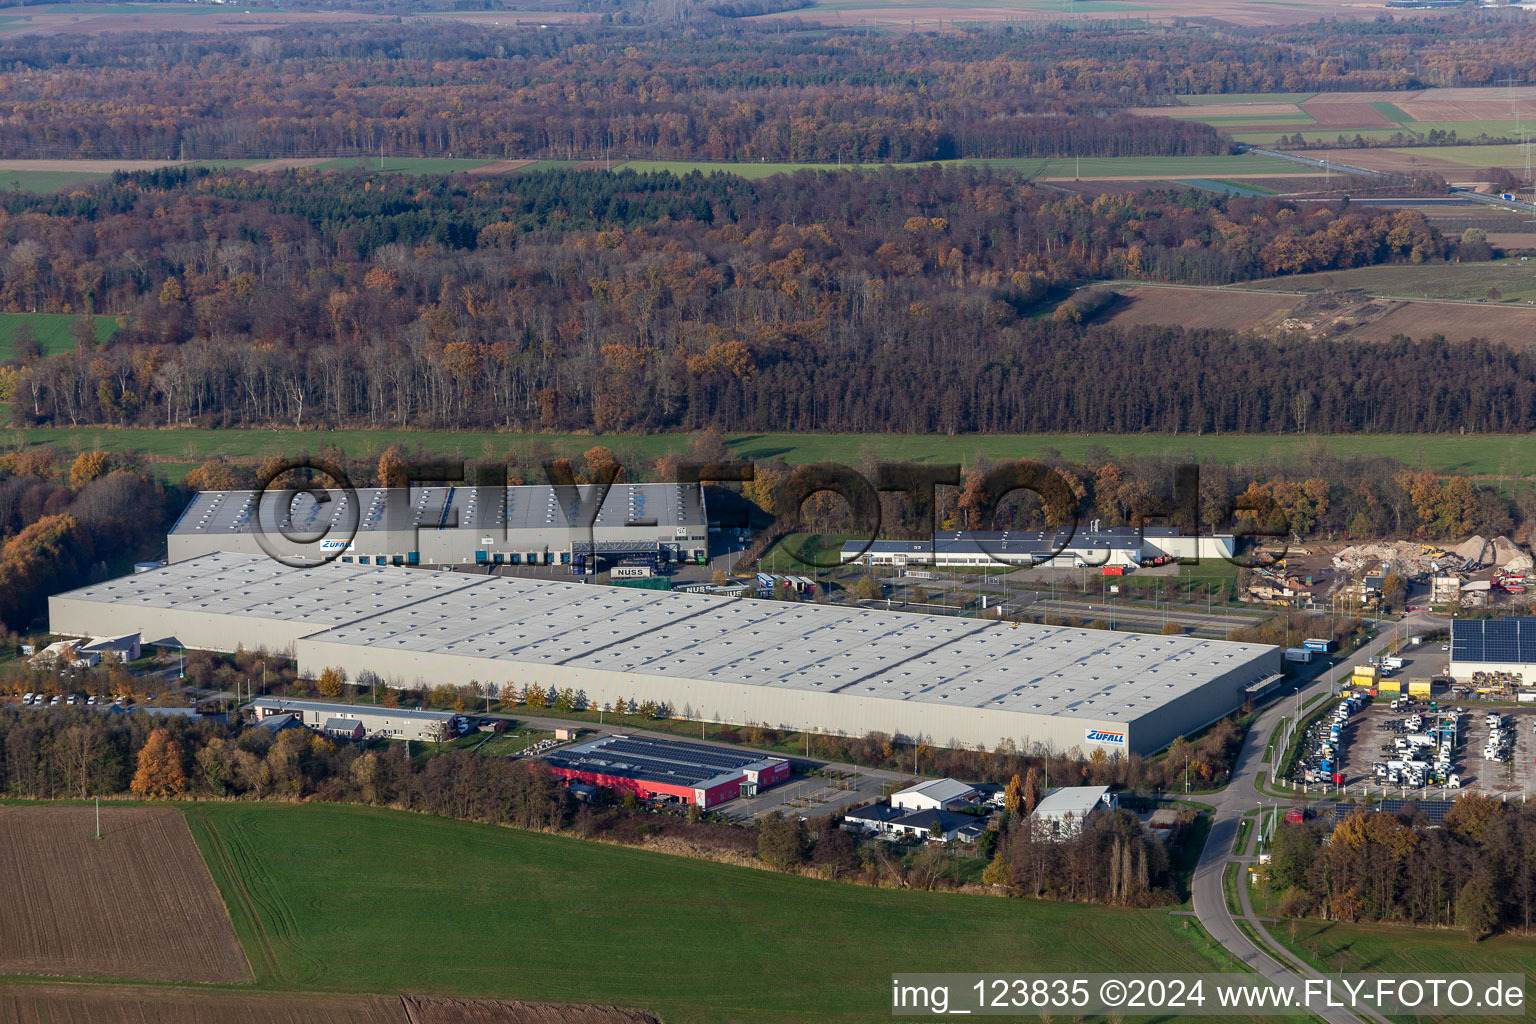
{"points": [[1088, 546], [356, 721], [448, 525], [827, 668], [649, 767]]}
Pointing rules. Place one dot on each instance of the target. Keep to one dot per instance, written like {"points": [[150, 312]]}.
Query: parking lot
{"points": [[1370, 735], [836, 787]]}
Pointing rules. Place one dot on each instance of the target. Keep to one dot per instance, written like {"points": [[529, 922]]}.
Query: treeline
{"points": [[726, 89], [902, 300], [64, 525], [570, 93], [1474, 872], [78, 754], [1112, 859]]}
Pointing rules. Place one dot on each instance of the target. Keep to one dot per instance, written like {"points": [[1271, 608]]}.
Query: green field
{"points": [[403, 164], [1217, 119], [364, 900], [1062, 167], [1475, 454], [45, 181], [1224, 99], [51, 329], [1392, 112], [1360, 948], [1515, 281], [1469, 156], [149, 8]]}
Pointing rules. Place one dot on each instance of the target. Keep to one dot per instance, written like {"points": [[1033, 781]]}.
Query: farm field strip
{"points": [[181, 449], [33, 1003], [137, 903], [50, 175]]}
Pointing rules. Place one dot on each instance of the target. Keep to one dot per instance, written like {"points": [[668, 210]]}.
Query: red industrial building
{"points": [[690, 772]]}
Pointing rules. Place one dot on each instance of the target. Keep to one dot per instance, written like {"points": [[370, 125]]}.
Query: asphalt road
{"points": [[1241, 795]]}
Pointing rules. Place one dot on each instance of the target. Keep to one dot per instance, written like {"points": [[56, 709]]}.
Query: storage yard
{"points": [[1452, 747], [841, 670]]}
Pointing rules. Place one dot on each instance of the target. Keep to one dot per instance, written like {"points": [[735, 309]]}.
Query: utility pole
{"points": [[98, 817]]}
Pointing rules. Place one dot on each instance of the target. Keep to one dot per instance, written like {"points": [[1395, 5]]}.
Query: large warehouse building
{"points": [[951, 681], [1092, 545], [449, 525]]}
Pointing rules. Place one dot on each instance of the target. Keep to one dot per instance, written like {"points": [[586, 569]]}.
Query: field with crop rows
{"points": [[136, 903]]}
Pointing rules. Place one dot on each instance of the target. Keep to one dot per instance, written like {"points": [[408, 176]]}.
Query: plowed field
{"points": [[95, 1004], [137, 903]]}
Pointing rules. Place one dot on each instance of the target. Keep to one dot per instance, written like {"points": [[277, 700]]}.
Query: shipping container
{"points": [[1114, 570], [1314, 644], [1300, 654], [1295, 815]]}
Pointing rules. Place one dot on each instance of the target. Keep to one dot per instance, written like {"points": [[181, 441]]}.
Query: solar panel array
{"points": [[1508, 641], [1434, 810], [690, 753]]}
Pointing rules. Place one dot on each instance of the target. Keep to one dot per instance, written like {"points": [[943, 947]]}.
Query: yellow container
{"points": [[1389, 686], [1365, 671], [1419, 687]]}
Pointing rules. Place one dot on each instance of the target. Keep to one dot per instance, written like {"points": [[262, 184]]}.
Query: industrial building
{"points": [[836, 669], [935, 795], [652, 768], [441, 526], [1493, 648], [1092, 546], [1061, 812], [357, 721]]}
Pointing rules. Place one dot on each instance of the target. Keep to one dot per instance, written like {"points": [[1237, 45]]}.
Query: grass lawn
{"points": [[51, 330], [512, 741], [357, 899], [1515, 281]]}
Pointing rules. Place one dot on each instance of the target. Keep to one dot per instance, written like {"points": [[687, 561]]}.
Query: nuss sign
{"points": [[1106, 736]]}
